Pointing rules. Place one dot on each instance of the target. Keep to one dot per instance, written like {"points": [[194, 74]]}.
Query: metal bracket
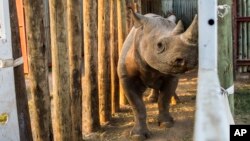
{"points": [[5, 63]]}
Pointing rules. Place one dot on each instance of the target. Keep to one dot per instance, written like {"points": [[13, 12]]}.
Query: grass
{"points": [[242, 106]]}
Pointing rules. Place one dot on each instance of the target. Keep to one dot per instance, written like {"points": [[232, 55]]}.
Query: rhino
{"points": [[154, 53]]}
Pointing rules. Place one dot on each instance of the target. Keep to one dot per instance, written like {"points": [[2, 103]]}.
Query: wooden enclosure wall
{"points": [[241, 10], [83, 40]]}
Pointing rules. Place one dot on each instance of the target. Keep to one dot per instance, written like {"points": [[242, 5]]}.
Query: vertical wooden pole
{"points": [[60, 72], [121, 23], [103, 61], [74, 29], [225, 51], [114, 58], [47, 31], [38, 76], [129, 21], [20, 89], [138, 6], [90, 99], [143, 6]]}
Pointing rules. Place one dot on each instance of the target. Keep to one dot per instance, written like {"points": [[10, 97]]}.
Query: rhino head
{"points": [[164, 45]]}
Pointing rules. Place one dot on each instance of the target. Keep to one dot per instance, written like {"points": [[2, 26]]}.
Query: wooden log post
{"points": [[225, 51], [60, 72], [121, 23], [74, 28], [91, 122], [114, 58], [137, 6], [103, 61], [129, 22], [20, 89], [38, 75]]}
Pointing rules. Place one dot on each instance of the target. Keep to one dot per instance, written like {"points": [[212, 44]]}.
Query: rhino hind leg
{"points": [[134, 92], [165, 120], [153, 96]]}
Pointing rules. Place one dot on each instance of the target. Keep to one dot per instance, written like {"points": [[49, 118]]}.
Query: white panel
{"points": [[9, 131], [208, 34], [212, 118]]}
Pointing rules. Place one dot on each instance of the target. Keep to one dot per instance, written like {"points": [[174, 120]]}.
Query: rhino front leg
{"points": [[134, 91], [166, 92]]}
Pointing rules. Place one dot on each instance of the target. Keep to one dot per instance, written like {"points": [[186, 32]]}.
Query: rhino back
{"points": [[125, 52]]}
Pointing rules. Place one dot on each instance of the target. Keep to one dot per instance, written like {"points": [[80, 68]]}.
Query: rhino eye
{"points": [[160, 47]]}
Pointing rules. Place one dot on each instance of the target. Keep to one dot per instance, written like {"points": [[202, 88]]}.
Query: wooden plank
{"points": [[61, 117], [20, 14], [74, 29], [90, 100], [38, 77]]}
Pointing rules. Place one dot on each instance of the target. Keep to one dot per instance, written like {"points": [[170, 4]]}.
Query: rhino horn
{"points": [[190, 36], [179, 28], [138, 19]]}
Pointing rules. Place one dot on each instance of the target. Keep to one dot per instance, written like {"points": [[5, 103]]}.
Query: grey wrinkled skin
{"points": [[155, 50]]}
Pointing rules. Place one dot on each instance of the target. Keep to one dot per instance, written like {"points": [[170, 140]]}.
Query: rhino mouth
{"points": [[178, 69], [172, 69]]}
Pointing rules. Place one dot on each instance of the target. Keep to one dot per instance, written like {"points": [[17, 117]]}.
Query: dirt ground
{"points": [[183, 113]]}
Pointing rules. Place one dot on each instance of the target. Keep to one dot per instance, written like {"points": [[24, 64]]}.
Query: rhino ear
{"points": [[190, 36], [172, 18], [138, 19], [179, 28]]}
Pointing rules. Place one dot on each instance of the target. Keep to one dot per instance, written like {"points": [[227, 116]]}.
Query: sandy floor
{"points": [[118, 129], [183, 113]]}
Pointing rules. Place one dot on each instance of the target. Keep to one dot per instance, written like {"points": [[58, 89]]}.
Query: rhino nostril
{"points": [[179, 62]]}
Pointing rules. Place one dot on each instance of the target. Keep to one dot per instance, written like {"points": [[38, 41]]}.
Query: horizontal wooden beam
{"points": [[243, 62], [243, 19]]}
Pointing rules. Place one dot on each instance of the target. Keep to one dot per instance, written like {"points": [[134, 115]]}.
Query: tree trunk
{"points": [[90, 99], [114, 58], [38, 74], [225, 49], [74, 29], [103, 61], [121, 23], [21, 95], [60, 72]]}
